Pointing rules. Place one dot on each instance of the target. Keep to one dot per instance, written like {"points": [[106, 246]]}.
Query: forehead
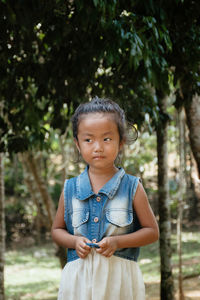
{"points": [[96, 122]]}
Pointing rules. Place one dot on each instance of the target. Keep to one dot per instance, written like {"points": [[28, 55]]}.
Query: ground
{"points": [[191, 289], [33, 272]]}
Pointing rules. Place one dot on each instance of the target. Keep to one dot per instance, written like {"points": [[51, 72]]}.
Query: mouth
{"points": [[98, 157]]}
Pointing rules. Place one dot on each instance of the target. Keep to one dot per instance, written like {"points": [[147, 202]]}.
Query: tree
{"points": [[181, 195], [2, 228], [184, 27], [193, 121], [167, 289], [32, 83]]}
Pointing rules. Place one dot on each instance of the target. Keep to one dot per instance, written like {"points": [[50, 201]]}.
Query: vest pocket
{"points": [[79, 217], [119, 217]]}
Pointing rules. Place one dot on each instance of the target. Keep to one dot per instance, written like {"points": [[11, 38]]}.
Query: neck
{"points": [[99, 177], [104, 172]]}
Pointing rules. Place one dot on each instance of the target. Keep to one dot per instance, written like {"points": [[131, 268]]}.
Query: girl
{"points": [[103, 215]]}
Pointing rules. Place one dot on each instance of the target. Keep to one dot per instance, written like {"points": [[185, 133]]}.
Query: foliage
{"points": [[184, 29], [55, 54], [36, 88], [46, 54]]}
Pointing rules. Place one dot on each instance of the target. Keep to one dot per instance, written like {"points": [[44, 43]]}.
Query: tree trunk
{"points": [[167, 285], [41, 187], [193, 195], [181, 196], [61, 252], [192, 110], [41, 218], [64, 159], [2, 228]]}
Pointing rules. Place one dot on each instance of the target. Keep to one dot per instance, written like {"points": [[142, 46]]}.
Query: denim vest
{"points": [[107, 213]]}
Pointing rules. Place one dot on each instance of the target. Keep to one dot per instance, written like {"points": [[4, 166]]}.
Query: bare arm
{"points": [[148, 234], [63, 238]]}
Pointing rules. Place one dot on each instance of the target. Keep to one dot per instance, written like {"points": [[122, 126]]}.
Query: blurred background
{"points": [[55, 55]]}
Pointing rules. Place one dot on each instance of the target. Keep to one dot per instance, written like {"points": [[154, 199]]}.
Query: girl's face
{"points": [[98, 140]]}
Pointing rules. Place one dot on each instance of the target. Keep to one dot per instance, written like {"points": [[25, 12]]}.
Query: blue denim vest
{"points": [[107, 213]]}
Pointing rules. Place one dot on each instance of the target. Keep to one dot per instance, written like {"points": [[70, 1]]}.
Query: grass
{"points": [[33, 273], [150, 265], [150, 260]]}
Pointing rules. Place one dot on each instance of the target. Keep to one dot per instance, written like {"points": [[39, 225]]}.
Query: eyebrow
{"points": [[105, 133], [108, 132]]}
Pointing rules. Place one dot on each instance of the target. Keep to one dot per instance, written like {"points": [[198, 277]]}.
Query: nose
{"points": [[98, 147]]}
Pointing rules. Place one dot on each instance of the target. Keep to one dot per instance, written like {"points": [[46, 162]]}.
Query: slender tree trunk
{"points": [[167, 286], [2, 228], [33, 194], [192, 110], [181, 195], [193, 196], [41, 218], [61, 252], [63, 158], [41, 187]]}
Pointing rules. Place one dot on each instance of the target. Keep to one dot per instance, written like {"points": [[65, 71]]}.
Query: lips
{"points": [[98, 157]]}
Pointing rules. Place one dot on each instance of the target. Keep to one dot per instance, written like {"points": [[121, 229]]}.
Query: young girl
{"points": [[103, 215]]}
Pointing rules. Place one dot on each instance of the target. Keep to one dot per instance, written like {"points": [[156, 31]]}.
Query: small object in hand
{"points": [[93, 245]]}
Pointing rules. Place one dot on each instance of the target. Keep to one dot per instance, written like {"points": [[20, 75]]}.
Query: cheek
{"points": [[85, 150], [114, 149]]}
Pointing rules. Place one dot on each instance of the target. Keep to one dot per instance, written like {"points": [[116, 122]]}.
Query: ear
{"points": [[77, 144], [121, 145]]}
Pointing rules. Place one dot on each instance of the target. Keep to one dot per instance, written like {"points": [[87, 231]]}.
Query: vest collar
{"points": [[84, 189]]}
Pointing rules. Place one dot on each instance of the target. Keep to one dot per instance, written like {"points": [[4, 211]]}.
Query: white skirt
{"points": [[99, 278]]}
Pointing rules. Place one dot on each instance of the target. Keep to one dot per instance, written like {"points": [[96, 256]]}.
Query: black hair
{"points": [[104, 105]]}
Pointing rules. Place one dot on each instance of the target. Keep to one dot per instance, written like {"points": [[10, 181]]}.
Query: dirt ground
{"points": [[191, 288]]}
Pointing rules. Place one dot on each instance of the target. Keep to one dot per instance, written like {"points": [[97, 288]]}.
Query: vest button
{"points": [[96, 219], [98, 199]]}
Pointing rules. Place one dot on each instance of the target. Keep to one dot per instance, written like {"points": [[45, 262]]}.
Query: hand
{"points": [[81, 248], [108, 246]]}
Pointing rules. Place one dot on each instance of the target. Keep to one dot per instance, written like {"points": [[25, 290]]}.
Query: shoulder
{"points": [[140, 194], [71, 179], [131, 179], [130, 184], [74, 179], [70, 186]]}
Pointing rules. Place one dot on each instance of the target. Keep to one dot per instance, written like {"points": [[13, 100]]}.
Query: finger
{"points": [[110, 254], [83, 253], [80, 254], [85, 250], [107, 253], [86, 247], [88, 250], [102, 244], [99, 250], [86, 241]]}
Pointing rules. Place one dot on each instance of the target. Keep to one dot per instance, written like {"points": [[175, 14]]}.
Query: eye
{"points": [[107, 139], [88, 140]]}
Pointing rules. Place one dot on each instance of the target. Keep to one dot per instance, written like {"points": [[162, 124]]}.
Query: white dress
{"points": [[100, 278]]}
